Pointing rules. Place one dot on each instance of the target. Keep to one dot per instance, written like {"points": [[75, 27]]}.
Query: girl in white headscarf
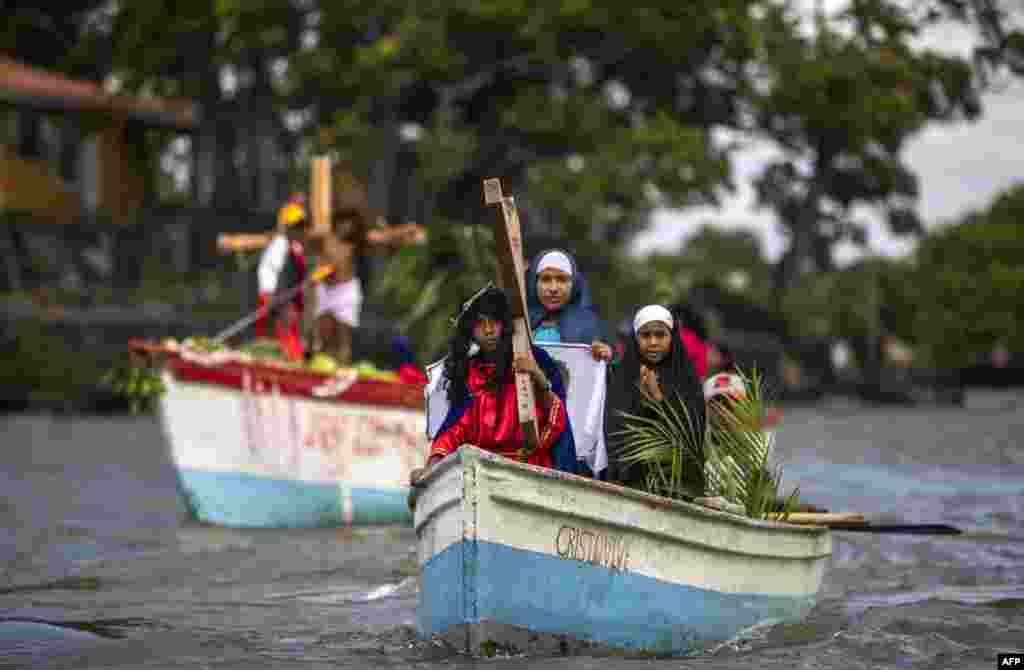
{"points": [[656, 367]]}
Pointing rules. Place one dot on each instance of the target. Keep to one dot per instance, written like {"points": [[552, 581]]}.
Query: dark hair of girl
{"points": [[492, 304], [689, 317]]}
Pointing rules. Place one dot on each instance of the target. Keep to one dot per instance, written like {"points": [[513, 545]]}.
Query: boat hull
{"points": [[242, 500], [256, 457], [519, 558]]}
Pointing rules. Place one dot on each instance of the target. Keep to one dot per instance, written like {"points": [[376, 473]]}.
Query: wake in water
{"points": [[91, 536]]}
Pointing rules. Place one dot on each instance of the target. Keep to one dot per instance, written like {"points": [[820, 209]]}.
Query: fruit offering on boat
{"points": [[323, 363], [267, 351], [203, 344], [263, 347], [367, 370]]}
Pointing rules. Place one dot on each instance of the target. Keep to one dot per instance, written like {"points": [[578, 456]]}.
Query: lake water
{"points": [[99, 571]]}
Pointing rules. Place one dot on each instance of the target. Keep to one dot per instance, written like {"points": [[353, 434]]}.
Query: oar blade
{"points": [[902, 528], [856, 522]]}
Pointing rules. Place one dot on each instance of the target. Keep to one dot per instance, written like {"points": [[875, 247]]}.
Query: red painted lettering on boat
{"points": [[294, 433], [325, 432]]}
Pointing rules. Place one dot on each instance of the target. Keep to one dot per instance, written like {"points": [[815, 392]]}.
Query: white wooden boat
{"points": [[526, 559], [257, 445]]}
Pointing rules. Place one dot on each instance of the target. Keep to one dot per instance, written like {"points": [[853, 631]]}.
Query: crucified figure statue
{"points": [[344, 228]]}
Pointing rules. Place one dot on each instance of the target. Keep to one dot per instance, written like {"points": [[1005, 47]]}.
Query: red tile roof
{"points": [[23, 84]]}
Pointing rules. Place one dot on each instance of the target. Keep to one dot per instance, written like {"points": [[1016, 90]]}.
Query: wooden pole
{"points": [[320, 196]]}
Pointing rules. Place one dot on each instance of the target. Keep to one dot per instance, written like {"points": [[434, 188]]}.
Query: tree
{"points": [[587, 109], [592, 113], [970, 279], [864, 302], [731, 259], [998, 25], [224, 56], [841, 105], [46, 34]]}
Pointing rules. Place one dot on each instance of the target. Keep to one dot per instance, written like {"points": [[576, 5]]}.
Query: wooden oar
{"points": [[318, 275], [320, 211], [821, 518], [903, 528], [856, 522]]}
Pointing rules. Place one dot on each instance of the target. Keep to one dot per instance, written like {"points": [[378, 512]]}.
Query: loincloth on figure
{"points": [[343, 301]]}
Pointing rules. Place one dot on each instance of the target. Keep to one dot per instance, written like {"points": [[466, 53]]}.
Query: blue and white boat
{"points": [[525, 559]]}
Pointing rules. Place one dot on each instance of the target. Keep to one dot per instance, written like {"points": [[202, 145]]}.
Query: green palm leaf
{"points": [[733, 450]]}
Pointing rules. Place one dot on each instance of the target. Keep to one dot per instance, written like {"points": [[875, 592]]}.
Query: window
{"points": [[88, 171], [8, 127]]}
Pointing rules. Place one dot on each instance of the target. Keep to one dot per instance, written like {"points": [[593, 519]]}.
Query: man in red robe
{"points": [[480, 377]]}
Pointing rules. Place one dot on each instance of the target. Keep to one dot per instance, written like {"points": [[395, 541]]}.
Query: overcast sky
{"points": [[959, 166]]}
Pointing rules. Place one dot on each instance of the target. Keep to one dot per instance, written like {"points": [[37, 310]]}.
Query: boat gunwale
{"points": [[657, 534], [473, 453], [406, 396], [444, 503]]}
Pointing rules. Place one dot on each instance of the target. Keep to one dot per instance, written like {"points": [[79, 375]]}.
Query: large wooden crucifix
{"points": [[512, 280]]}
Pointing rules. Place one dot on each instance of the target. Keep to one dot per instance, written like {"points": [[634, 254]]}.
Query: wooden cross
{"points": [[320, 195], [320, 208], [512, 280]]}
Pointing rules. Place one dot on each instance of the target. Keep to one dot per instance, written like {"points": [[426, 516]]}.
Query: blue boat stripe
{"points": [[243, 500], [548, 594]]}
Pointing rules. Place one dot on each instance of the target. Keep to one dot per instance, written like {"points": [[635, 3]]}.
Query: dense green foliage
{"points": [[140, 386], [37, 359], [841, 105], [969, 281]]}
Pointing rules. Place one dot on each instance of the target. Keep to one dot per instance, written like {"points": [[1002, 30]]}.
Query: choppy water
{"points": [[97, 571]]}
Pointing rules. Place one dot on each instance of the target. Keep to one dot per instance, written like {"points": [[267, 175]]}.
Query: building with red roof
{"points": [[70, 149]]}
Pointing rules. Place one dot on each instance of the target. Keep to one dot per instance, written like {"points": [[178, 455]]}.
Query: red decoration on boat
{"points": [[287, 380]]}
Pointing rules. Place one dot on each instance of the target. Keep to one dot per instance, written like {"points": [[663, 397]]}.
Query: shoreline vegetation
{"points": [[43, 364], [60, 349], [58, 343], [919, 339]]}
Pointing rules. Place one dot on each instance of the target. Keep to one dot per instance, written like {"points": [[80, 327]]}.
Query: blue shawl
{"points": [[563, 452], [578, 321]]}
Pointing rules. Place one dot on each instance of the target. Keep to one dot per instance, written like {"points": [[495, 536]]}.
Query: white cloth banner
{"points": [[585, 381]]}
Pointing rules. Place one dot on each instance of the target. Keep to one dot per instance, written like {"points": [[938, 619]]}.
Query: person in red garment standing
{"points": [[479, 372], [285, 248], [694, 335], [405, 360]]}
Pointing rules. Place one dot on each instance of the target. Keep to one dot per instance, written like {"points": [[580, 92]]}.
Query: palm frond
{"points": [[733, 450], [427, 302], [665, 444]]}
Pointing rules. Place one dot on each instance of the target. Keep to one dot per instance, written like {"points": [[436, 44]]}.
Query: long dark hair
{"points": [[689, 317], [491, 303]]}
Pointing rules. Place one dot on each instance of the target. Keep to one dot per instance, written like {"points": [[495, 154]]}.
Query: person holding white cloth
{"points": [[560, 305]]}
